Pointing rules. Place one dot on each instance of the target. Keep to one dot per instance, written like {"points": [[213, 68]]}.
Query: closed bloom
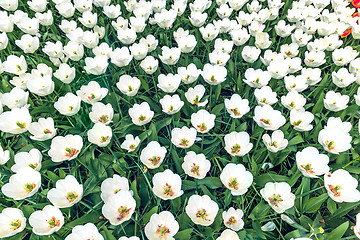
{"points": [[112, 186], [170, 56], [40, 86], [201, 210], [236, 106], [153, 155], [277, 69], [214, 75], [31, 159], [68, 105], [65, 148], [85, 232], [128, 85], [236, 178], [101, 113], [233, 219], [92, 92], [169, 83], [311, 163], [335, 101], [341, 186], [262, 40], [256, 78], [12, 222], [196, 165], [171, 104], [301, 120], [203, 121], [237, 143], [149, 64], [268, 227], [161, 226], [139, 50], [194, 95], [100, 134], [265, 96], [250, 54], [228, 234], [96, 65], [278, 195], [314, 59], [4, 156], [119, 207], [74, 50], [67, 192], [130, 143], [141, 114], [183, 137], [4, 40], [46, 221], [312, 75], [268, 118], [23, 184], [15, 121], [276, 142]]}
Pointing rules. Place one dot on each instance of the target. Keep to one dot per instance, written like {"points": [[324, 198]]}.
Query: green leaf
{"points": [[211, 182], [296, 140], [338, 232], [313, 204], [148, 215], [261, 180], [184, 234]]}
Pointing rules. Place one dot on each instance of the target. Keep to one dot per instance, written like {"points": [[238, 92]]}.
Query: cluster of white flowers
{"points": [[314, 31]]}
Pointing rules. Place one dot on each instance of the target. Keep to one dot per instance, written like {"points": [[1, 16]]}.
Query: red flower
{"points": [[356, 3], [346, 33]]}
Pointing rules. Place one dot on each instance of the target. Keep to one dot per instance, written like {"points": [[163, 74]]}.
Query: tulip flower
{"points": [[46, 221]]}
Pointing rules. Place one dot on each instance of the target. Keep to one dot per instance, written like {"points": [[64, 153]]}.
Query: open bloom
{"points": [[169, 83], [167, 185], [92, 92], [214, 75], [68, 105], [189, 74], [194, 95], [301, 120], [161, 226], [276, 142], [65, 148], [128, 85], [67, 192], [12, 221], [268, 118], [236, 106], [153, 155], [141, 114], [43, 129], [236, 178], [335, 140], [46, 221], [101, 113], [201, 210], [343, 78], [183, 137], [171, 104], [341, 186], [265, 96], [15, 121], [203, 121], [256, 78], [121, 56], [149, 64], [23, 184], [30, 159], [130, 143], [96, 65], [293, 100], [196, 165], [233, 219], [111, 186], [335, 101], [85, 232], [15, 65], [228, 234], [15, 98], [311, 163], [100, 134], [119, 207], [170, 56], [278, 195], [237, 143]]}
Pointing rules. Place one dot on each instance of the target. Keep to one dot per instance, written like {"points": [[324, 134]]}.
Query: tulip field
{"points": [[179, 119]]}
